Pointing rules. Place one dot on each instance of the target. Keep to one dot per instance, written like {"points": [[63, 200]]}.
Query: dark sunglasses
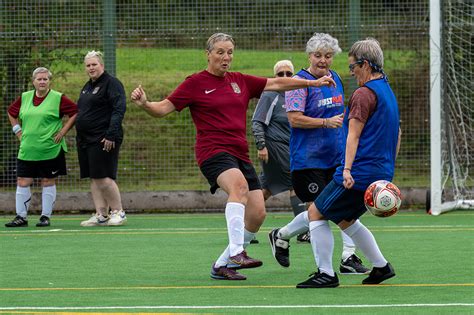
{"points": [[358, 62], [285, 74]]}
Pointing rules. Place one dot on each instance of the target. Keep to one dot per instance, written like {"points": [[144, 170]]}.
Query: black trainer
{"points": [[353, 266], [319, 280], [304, 238], [280, 248], [18, 221], [379, 274], [43, 221]]}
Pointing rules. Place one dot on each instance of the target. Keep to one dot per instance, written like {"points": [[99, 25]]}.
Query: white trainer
{"points": [[96, 220], [117, 217]]}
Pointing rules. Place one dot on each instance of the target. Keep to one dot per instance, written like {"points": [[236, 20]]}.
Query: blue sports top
{"points": [[318, 147], [376, 153]]}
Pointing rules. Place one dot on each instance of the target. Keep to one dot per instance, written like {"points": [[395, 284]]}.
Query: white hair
{"points": [[322, 42], [95, 54], [41, 70], [281, 64]]}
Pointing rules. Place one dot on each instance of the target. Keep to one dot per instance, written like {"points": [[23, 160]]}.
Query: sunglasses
{"points": [[285, 74], [358, 62]]}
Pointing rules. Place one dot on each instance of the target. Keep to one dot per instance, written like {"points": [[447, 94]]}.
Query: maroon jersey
{"points": [[218, 107], [67, 107]]}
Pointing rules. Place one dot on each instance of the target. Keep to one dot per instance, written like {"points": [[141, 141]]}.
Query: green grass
{"points": [[164, 260]]}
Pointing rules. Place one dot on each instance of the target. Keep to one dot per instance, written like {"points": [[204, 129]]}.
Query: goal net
{"points": [[452, 181]]}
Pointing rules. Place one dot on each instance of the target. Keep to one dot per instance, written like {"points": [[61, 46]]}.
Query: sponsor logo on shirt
{"points": [[96, 90], [335, 101], [209, 91], [235, 87]]}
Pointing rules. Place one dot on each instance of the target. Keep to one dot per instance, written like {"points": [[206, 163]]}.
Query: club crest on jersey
{"points": [[235, 87], [96, 90], [313, 188]]}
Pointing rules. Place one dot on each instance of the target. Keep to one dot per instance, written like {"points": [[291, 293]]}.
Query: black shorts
{"points": [[309, 183], [42, 169], [95, 162], [217, 164]]}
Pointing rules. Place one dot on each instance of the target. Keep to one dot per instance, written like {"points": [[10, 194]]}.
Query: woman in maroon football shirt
{"points": [[218, 101]]}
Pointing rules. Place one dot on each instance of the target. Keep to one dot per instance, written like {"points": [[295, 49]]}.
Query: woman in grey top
{"points": [[271, 130]]}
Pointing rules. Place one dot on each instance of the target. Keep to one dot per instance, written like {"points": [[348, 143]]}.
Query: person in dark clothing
{"points": [[271, 130], [101, 105]]}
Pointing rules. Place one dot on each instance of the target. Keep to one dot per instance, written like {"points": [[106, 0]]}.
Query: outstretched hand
{"points": [[323, 81], [139, 96]]}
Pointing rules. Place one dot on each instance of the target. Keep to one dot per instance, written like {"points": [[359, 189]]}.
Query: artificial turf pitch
{"points": [[160, 264]]}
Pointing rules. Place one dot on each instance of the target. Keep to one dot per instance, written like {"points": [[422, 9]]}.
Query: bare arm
{"points": [[286, 84], [399, 141], [66, 127], [155, 109], [15, 121], [299, 120], [353, 136]]}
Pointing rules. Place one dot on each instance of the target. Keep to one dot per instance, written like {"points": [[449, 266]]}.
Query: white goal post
{"points": [[451, 105]]}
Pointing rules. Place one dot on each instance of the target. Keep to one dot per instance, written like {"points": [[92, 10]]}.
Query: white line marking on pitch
{"points": [[233, 306]]}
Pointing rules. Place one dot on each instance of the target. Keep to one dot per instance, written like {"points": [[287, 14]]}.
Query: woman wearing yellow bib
{"points": [[36, 118]]}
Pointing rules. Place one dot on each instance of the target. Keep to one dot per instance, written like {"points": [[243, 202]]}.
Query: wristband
{"points": [[16, 129], [347, 169]]}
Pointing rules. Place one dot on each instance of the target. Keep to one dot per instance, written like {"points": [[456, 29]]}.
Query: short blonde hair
{"points": [[218, 37], [281, 64], [95, 54]]}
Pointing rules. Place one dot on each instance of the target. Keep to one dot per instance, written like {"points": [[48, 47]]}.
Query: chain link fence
{"points": [[158, 43]]}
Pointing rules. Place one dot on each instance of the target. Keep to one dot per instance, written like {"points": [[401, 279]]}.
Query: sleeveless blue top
{"points": [[318, 147], [376, 153]]}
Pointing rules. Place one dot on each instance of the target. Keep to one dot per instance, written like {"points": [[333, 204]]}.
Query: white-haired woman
{"points": [[315, 116], [218, 100], [101, 105], [271, 130], [36, 117]]}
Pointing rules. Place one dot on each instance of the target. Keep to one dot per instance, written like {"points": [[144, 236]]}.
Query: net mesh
{"points": [[458, 109], [158, 43]]}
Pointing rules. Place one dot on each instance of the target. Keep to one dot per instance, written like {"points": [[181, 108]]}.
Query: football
{"points": [[382, 198]]}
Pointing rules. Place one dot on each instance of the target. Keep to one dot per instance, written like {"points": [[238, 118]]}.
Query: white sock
{"points": [[348, 246], [23, 199], [248, 236], [299, 224], [223, 258], [322, 242], [234, 214], [48, 199], [365, 241]]}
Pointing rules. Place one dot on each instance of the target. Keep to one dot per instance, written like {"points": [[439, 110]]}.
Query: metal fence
{"points": [[158, 43]]}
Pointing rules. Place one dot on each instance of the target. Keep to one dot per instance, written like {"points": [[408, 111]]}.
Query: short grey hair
{"points": [[95, 54], [281, 64], [218, 37], [322, 42], [368, 49], [41, 70]]}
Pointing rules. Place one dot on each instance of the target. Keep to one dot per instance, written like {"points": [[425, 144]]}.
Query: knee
{"points": [[240, 191], [24, 181], [45, 182]]}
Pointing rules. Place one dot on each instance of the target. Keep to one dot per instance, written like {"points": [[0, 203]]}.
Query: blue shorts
{"points": [[337, 204]]}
